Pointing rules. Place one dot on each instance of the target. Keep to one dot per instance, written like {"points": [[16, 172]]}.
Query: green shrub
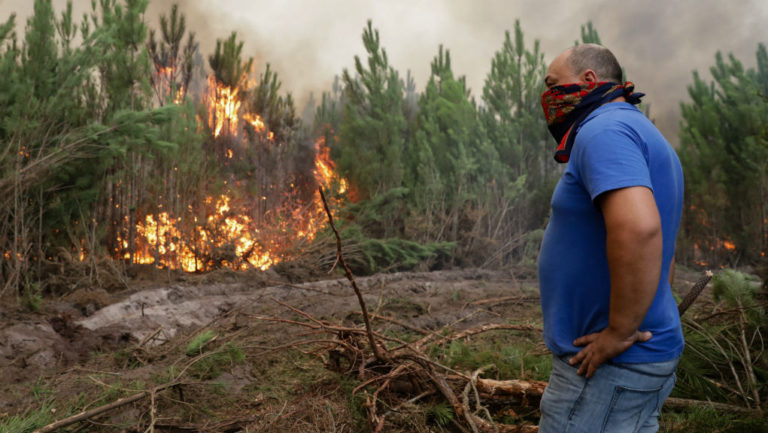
{"points": [[195, 346]]}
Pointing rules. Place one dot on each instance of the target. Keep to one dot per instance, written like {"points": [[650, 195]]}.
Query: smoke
{"points": [[308, 42]]}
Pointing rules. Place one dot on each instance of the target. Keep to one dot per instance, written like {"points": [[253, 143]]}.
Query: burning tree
{"points": [[261, 200], [173, 65]]}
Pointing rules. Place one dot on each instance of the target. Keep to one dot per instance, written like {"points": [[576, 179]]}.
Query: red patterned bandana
{"points": [[566, 106]]}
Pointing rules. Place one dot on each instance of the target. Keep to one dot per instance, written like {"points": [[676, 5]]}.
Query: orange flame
{"points": [[232, 230], [228, 236], [166, 77], [255, 121], [223, 107]]}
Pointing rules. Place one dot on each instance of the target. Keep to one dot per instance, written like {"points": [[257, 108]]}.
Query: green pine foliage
{"points": [[102, 124], [82, 142], [227, 64], [443, 154], [520, 171], [589, 34], [372, 131], [724, 151]]}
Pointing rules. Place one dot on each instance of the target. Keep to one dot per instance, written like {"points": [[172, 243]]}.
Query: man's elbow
{"points": [[649, 233], [645, 235]]}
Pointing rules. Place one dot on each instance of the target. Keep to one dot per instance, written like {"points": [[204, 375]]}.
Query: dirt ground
{"points": [[78, 342]]}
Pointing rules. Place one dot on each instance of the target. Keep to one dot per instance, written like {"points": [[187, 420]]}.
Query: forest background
{"points": [[128, 150], [123, 143]]}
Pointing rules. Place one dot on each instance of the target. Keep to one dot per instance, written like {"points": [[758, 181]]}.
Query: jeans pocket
{"points": [[628, 408]]}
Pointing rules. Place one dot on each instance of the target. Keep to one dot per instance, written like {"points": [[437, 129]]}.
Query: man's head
{"points": [[583, 63]]}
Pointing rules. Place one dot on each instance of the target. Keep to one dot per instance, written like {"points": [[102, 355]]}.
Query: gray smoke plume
{"points": [[659, 42]]}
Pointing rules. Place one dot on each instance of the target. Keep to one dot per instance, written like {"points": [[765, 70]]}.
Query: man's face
{"points": [[560, 72]]}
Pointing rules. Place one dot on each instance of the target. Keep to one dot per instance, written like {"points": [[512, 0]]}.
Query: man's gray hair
{"points": [[599, 59]]}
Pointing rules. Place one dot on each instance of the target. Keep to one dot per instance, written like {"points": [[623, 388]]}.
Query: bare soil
{"points": [[91, 343]]}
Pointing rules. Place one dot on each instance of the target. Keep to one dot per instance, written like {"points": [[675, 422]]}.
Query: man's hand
{"points": [[602, 346]]}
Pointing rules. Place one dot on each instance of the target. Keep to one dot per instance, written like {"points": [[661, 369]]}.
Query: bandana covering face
{"points": [[566, 106]]}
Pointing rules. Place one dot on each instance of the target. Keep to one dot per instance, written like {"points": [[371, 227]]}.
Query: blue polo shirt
{"points": [[616, 147]]}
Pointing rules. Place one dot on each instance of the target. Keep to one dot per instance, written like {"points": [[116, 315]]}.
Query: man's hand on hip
{"points": [[634, 250], [603, 346]]}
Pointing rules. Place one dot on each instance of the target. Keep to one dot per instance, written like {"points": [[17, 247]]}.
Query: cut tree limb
{"points": [[694, 292]]}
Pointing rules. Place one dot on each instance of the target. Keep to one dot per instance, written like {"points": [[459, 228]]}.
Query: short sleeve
{"points": [[609, 156]]}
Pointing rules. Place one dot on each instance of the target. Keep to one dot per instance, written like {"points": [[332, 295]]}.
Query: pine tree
{"points": [[523, 176], [277, 111], [328, 114], [172, 65], [373, 126], [227, 63], [74, 117], [443, 175], [589, 34], [724, 151]]}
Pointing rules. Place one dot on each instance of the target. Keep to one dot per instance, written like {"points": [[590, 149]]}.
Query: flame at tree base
{"points": [[226, 235]]}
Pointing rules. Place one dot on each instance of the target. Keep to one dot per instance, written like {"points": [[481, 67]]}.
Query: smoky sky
{"points": [[308, 42]]}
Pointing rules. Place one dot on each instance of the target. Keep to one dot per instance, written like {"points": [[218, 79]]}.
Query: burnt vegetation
{"points": [[128, 158]]}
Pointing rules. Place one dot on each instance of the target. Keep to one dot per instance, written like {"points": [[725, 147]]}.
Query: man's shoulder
{"points": [[616, 115], [620, 121]]}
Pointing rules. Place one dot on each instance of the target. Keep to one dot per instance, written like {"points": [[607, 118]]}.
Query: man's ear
{"points": [[588, 76]]}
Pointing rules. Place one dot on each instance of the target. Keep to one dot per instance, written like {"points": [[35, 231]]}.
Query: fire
{"points": [[325, 169], [165, 76], [730, 246], [224, 239], [223, 107], [256, 121], [325, 176], [233, 229], [228, 236]]}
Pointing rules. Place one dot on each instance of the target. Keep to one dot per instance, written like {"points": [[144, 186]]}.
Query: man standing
{"points": [[610, 319]]}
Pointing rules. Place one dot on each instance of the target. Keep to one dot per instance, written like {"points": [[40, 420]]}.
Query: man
{"points": [[610, 319]]}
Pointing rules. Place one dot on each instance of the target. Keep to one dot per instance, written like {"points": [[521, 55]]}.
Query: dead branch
{"points": [[351, 278], [694, 292], [685, 403], [99, 410], [400, 323], [473, 331], [501, 300], [147, 338]]}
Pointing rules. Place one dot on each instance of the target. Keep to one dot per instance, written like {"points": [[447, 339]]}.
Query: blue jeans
{"points": [[619, 398]]}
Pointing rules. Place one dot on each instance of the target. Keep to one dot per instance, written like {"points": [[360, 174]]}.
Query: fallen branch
{"points": [[101, 409], [694, 292], [400, 323], [87, 414], [685, 403], [351, 278], [501, 300], [473, 331]]}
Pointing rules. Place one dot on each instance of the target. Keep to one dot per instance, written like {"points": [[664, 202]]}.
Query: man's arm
{"points": [[634, 249]]}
